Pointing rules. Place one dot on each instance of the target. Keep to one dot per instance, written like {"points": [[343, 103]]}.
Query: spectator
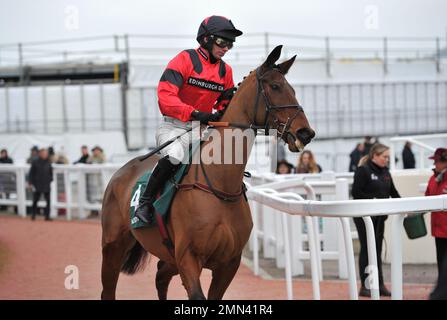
{"points": [[367, 143], [284, 167], [408, 157], [40, 177], [437, 185], [94, 180], [307, 164], [60, 157], [97, 156], [4, 157], [85, 155], [34, 154], [372, 180], [355, 156], [51, 154]]}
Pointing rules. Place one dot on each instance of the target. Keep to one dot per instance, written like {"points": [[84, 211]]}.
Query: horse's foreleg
{"points": [[113, 254], [190, 268], [222, 277], [164, 275]]}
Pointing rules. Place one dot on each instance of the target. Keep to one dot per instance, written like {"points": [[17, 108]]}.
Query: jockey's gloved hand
{"points": [[205, 117], [227, 95]]}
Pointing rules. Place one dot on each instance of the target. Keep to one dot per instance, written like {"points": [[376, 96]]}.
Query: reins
{"points": [[232, 197]]}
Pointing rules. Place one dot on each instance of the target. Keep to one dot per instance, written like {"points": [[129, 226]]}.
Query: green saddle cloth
{"points": [[163, 203]]}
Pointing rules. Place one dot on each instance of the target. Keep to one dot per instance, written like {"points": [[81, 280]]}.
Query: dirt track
{"points": [[34, 255]]}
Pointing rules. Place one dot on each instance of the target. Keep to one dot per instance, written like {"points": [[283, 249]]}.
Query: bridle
{"points": [[269, 107]]}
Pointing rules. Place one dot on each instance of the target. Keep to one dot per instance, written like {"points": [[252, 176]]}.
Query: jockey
{"points": [[188, 90]]}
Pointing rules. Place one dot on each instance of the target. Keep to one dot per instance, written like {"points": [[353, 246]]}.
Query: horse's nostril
{"points": [[305, 135]]}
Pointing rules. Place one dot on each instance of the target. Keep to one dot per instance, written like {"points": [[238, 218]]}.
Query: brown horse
{"points": [[207, 231]]}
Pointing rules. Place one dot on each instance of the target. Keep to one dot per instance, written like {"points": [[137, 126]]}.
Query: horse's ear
{"points": [[285, 66], [272, 58]]}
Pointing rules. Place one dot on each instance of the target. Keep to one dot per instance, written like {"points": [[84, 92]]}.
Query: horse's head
{"points": [[276, 106]]}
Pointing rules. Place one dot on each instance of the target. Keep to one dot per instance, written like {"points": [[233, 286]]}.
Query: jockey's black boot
{"points": [[162, 172]]}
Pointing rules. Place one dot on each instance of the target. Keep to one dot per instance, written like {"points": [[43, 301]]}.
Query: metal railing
{"points": [[75, 188], [251, 47], [288, 203]]}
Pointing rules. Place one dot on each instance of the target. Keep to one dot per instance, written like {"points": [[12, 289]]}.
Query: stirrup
{"points": [[145, 212]]}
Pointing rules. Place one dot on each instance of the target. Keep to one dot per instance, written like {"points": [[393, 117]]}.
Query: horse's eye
{"points": [[274, 86]]}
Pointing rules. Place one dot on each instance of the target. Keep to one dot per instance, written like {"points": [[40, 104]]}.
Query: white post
{"points": [[67, 187], [21, 191], [317, 241], [256, 213], [279, 243], [82, 190], [313, 258], [396, 257], [349, 258], [288, 263], [328, 225], [53, 195], [296, 244], [372, 259], [268, 227], [342, 193], [252, 205]]}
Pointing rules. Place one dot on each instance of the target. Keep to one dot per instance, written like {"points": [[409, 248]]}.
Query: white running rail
{"points": [[288, 204]]}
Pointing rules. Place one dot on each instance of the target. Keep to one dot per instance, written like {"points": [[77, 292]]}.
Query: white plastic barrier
{"points": [[74, 176], [19, 198], [267, 224], [349, 209]]}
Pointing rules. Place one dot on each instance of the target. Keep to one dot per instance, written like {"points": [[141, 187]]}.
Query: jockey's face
{"points": [[218, 52]]}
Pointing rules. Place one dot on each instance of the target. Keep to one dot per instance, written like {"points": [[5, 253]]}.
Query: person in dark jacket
{"points": [[372, 180], [85, 155], [34, 154], [4, 157], [368, 143], [40, 177], [408, 157], [355, 156]]}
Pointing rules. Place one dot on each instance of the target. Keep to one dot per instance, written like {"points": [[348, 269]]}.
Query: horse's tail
{"points": [[135, 260]]}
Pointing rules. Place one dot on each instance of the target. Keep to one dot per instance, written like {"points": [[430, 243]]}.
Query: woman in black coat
{"points": [[372, 180]]}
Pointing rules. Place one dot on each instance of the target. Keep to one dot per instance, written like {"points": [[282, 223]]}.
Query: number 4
{"points": [[136, 197]]}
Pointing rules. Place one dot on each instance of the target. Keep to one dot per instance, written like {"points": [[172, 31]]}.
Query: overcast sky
{"points": [[25, 20]]}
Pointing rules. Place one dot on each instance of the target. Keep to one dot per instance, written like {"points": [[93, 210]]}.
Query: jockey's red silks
{"points": [[191, 82]]}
